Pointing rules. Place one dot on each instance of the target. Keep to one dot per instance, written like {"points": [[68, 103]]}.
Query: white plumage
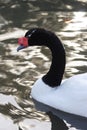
{"points": [[70, 96]]}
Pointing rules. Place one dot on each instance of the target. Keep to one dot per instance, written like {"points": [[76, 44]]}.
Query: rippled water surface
{"points": [[19, 70]]}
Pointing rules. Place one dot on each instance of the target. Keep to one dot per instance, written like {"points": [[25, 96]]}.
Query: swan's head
{"points": [[35, 36], [42, 37]]}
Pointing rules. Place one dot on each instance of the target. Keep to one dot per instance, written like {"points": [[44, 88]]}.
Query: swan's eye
{"points": [[32, 33]]}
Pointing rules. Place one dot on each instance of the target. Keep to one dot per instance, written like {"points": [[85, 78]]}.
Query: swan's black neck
{"points": [[42, 37], [54, 76]]}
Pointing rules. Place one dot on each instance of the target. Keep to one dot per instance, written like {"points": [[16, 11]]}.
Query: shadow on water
{"points": [[68, 120], [18, 71]]}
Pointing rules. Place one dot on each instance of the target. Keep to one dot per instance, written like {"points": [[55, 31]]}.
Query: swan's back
{"points": [[70, 96]]}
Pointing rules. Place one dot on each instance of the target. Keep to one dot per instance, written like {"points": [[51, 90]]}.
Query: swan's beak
{"points": [[23, 43], [20, 47]]}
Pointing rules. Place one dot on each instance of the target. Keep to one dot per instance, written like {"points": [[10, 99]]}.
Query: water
{"points": [[19, 70]]}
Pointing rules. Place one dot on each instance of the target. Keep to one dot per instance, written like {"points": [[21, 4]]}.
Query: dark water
{"points": [[19, 70]]}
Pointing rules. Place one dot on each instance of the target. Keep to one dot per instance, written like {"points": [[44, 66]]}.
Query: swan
{"points": [[69, 95]]}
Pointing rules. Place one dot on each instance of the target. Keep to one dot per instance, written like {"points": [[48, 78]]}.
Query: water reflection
{"points": [[18, 71], [6, 121]]}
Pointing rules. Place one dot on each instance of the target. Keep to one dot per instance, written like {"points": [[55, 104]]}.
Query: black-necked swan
{"points": [[69, 96]]}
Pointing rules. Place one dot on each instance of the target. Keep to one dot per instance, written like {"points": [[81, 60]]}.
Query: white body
{"points": [[70, 96]]}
